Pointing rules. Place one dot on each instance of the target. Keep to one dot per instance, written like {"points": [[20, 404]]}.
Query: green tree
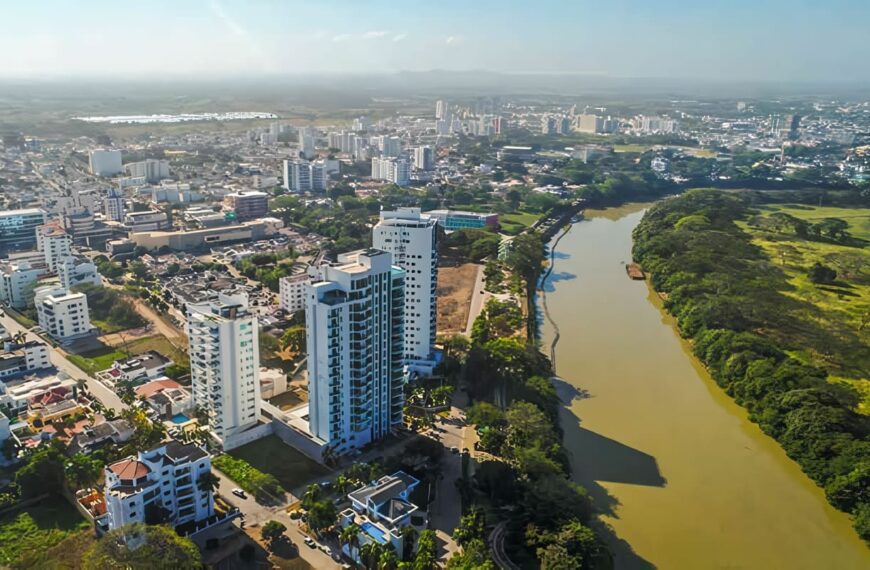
{"points": [[157, 547], [272, 530], [427, 551], [822, 274], [322, 515], [82, 470]]}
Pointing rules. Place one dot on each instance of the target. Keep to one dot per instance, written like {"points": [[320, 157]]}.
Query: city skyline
{"points": [[774, 41]]}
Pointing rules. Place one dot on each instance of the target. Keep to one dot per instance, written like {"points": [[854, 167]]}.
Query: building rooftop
{"points": [[129, 469]]}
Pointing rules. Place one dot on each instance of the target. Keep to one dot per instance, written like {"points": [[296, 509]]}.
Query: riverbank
{"points": [[679, 475]]}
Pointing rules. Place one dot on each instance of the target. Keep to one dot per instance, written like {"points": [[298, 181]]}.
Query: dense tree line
{"points": [[727, 299]]}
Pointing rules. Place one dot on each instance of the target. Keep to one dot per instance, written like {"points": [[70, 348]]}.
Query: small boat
{"points": [[634, 271]]}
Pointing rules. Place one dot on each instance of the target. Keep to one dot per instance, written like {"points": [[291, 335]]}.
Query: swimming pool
{"points": [[180, 419], [374, 532]]}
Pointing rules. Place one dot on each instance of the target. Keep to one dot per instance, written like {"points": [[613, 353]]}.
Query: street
{"points": [[256, 514], [108, 398], [478, 300]]}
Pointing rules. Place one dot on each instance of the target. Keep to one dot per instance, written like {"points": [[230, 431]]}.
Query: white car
{"points": [[239, 493]]}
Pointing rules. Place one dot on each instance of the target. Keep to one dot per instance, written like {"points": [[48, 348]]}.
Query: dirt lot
{"points": [[455, 287]]}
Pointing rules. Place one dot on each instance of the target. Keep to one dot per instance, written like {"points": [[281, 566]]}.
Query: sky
{"points": [[767, 40]]}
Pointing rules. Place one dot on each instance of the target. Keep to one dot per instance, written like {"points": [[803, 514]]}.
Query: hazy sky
{"points": [[806, 40]]}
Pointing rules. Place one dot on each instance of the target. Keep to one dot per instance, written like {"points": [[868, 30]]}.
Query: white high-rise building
{"points": [[395, 170], [441, 109], [54, 243], [354, 317], [114, 205], [225, 363], [411, 238], [306, 142], [62, 314], [16, 282], [151, 169], [424, 158], [305, 176], [105, 162], [74, 271]]}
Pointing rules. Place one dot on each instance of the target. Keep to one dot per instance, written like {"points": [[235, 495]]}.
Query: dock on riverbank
{"points": [[634, 271]]}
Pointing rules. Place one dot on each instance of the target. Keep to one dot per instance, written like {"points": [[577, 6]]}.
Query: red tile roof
{"points": [[129, 469], [155, 386]]}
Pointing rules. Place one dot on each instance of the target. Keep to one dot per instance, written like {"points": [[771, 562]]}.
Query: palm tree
{"points": [[312, 495], [342, 483], [350, 535], [409, 534], [369, 554], [208, 482], [388, 560]]}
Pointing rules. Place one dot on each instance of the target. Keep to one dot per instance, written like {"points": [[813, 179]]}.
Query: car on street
{"points": [[309, 542], [239, 493], [454, 450]]}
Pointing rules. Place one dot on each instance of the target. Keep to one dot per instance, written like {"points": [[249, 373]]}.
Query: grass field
{"points": [[37, 529], [162, 345], [270, 455], [516, 222], [97, 360], [833, 320]]}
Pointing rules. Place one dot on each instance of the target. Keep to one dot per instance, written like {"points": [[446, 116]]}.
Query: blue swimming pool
{"points": [[180, 419], [374, 532]]}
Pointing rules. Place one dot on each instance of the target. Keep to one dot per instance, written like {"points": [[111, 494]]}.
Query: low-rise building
{"points": [[166, 397], [381, 509], [160, 485], [248, 205], [21, 359], [62, 314], [292, 292], [149, 220], [452, 220], [140, 367], [16, 282]]}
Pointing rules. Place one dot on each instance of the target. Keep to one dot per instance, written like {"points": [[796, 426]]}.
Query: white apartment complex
{"points": [[105, 162], [355, 330], [16, 359], [424, 158], [159, 486], [16, 281], [62, 314], [151, 169], [292, 292], [224, 363], [411, 238], [114, 205], [54, 243], [74, 271], [304, 176], [395, 170]]}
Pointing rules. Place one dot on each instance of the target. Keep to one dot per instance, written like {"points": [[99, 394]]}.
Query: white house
{"points": [[62, 314]]}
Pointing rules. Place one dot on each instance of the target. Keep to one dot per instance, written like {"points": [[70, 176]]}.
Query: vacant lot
{"points": [[36, 529], [270, 455], [455, 287], [516, 222]]}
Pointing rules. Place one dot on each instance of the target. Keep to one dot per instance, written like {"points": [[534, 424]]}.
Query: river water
{"points": [[683, 479]]}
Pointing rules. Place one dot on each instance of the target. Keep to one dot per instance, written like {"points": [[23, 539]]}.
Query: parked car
{"points": [[239, 493], [310, 542]]}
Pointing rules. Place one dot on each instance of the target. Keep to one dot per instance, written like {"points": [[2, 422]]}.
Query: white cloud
{"points": [[399, 37], [341, 38], [373, 35], [450, 39]]}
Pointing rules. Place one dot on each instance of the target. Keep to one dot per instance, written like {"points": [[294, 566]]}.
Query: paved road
{"points": [[108, 398], [446, 508], [256, 514], [478, 300]]}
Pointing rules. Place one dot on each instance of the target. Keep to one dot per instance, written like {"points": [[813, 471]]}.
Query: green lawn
{"points": [[831, 323], [858, 218], [271, 455], [37, 528], [97, 360], [162, 345], [516, 222]]}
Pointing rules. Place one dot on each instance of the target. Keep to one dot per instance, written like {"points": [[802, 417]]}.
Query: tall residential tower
{"points": [[224, 363], [355, 324], [411, 238]]}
